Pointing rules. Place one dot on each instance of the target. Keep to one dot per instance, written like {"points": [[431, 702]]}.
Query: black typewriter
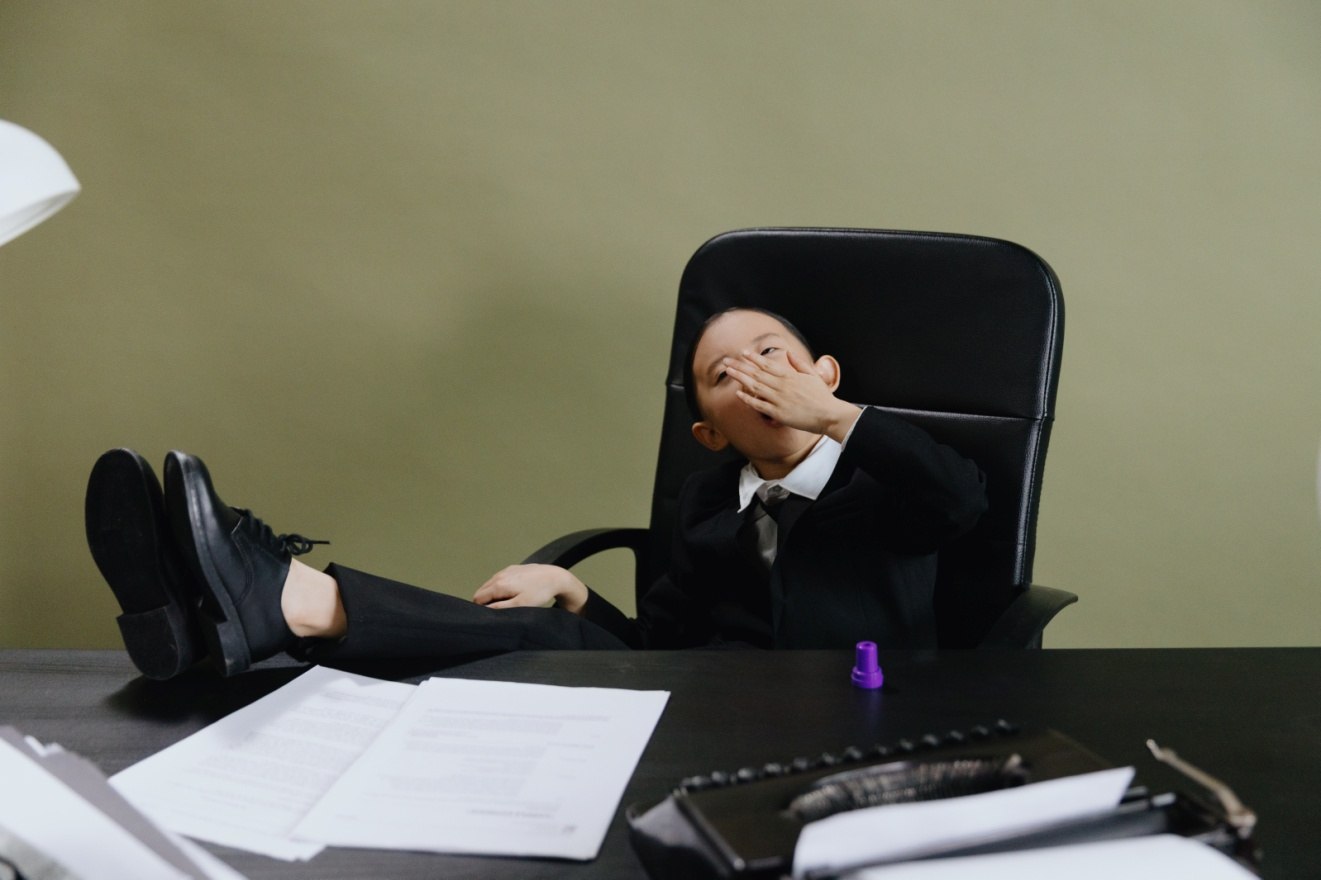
{"points": [[745, 823]]}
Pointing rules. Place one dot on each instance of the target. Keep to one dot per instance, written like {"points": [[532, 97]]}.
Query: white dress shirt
{"points": [[807, 479]]}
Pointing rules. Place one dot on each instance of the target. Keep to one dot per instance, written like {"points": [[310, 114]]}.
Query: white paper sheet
{"points": [[51, 817], [87, 782], [1163, 857], [214, 868], [248, 779], [495, 768], [897, 831]]}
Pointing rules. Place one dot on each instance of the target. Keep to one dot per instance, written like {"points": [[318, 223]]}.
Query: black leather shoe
{"points": [[132, 545], [239, 564]]}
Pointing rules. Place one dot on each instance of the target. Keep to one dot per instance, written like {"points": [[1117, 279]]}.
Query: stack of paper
{"points": [[1161, 857], [897, 832], [451, 765], [910, 830], [60, 818]]}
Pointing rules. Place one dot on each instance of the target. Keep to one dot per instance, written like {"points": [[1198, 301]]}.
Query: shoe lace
{"points": [[295, 543]]}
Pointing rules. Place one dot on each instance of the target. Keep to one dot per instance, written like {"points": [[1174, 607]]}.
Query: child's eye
{"points": [[720, 378], [766, 351]]}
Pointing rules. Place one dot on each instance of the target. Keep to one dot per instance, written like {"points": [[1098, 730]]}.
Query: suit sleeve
{"points": [[675, 611], [667, 618], [931, 492], [604, 614]]}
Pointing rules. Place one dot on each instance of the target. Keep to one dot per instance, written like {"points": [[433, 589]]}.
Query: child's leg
{"points": [[196, 576], [311, 604], [385, 620]]}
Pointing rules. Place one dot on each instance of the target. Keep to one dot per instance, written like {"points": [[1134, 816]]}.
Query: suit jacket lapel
{"points": [[792, 508]]}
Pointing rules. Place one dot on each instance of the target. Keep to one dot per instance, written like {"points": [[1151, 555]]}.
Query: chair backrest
{"points": [[959, 334]]}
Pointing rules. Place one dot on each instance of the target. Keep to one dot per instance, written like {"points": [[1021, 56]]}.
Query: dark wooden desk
{"points": [[1250, 716]]}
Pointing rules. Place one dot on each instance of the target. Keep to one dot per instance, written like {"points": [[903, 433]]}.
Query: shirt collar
{"points": [[807, 479]]}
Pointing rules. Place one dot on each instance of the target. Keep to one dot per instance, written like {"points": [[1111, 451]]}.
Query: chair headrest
{"points": [[927, 321]]}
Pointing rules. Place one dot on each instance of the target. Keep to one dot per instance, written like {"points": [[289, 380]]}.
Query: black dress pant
{"points": [[393, 623]]}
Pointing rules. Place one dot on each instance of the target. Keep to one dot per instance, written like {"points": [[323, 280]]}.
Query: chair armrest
{"points": [[1021, 623], [574, 547]]}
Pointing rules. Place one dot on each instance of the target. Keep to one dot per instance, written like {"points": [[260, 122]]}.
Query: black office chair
{"points": [[958, 334]]}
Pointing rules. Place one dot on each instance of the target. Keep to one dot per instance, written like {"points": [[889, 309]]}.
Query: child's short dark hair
{"points": [[689, 383]]}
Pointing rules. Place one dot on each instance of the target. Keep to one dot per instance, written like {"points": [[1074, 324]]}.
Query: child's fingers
{"points": [[798, 365], [743, 367], [761, 361], [754, 385], [757, 403], [516, 602], [488, 593], [739, 376], [754, 373], [496, 587]]}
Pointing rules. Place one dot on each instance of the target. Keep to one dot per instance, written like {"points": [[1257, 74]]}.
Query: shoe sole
{"points": [[124, 518], [221, 629]]}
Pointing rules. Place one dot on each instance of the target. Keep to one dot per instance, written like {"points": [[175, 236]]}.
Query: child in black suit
{"points": [[826, 536]]}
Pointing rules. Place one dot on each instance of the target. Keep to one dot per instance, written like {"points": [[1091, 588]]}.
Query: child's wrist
{"points": [[841, 420], [573, 596]]}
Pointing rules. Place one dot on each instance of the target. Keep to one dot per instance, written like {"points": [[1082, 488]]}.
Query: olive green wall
{"points": [[403, 273]]}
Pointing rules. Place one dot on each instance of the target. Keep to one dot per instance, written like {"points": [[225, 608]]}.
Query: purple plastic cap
{"points": [[866, 673]]}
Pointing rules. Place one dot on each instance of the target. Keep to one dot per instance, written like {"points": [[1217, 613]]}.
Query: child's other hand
{"points": [[795, 392], [521, 586]]}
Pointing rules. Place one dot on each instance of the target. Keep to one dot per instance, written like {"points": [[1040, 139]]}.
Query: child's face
{"points": [[756, 437]]}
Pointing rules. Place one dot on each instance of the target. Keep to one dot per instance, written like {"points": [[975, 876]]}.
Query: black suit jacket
{"points": [[859, 563]]}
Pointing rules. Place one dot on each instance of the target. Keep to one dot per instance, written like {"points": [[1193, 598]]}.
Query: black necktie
{"points": [[774, 499], [774, 508]]}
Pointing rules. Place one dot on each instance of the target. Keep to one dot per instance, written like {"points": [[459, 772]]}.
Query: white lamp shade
{"points": [[35, 181]]}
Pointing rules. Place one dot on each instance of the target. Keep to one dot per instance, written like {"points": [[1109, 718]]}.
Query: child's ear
{"points": [[828, 369], [709, 437]]}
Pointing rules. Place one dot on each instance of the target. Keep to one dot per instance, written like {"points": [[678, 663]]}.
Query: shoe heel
{"points": [[225, 639], [227, 644], [150, 638]]}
